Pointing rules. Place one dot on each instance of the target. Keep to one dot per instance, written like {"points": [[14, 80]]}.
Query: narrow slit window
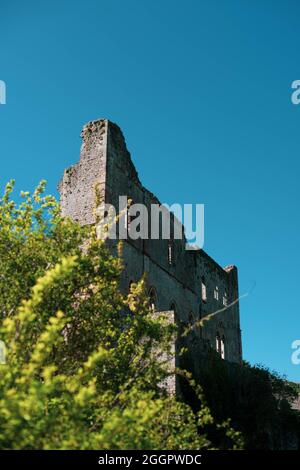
{"points": [[216, 293], [203, 290], [174, 309], [223, 347], [218, 343], [153, 299], [170, 253]]}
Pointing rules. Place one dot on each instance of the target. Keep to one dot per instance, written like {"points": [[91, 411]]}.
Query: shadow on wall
{"points": [[260, 403]]}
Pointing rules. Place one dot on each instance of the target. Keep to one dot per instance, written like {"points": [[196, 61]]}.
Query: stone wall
{"points": [[105, 171]]}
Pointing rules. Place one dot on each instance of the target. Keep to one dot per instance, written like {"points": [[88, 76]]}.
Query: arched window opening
{"points": [[223, 350], [216, 293], [225, 299], [218, 343], [203, 290], [153, 299], [174, 309]]}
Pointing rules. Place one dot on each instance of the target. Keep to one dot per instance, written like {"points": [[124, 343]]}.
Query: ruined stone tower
{"points": [[190, 283]]}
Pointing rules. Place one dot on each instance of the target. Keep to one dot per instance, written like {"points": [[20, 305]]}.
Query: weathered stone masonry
{"points": [[193, 284]]}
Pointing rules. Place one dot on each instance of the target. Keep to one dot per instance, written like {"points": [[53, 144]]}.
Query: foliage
{"points": [[85, 364], [257, 400]]}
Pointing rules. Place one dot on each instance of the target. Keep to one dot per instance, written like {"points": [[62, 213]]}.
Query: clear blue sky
{"points": [[202, 92]]}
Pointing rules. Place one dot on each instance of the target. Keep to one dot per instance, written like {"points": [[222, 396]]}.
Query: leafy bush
{"points": [[85, 364]]}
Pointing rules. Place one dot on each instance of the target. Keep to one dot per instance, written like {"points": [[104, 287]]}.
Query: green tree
{"points": [[85, 364]]}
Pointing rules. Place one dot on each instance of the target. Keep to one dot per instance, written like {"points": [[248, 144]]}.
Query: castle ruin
{"points": [[188, 282]]}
